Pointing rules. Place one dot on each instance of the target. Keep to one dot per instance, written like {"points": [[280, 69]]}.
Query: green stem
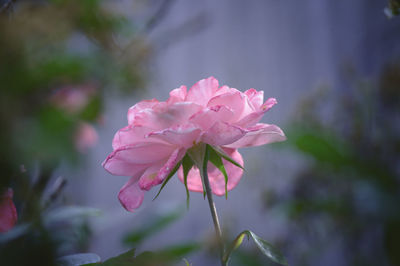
{"points": [[213, 210]]}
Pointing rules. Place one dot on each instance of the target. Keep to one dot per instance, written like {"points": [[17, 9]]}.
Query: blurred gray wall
{"points": [[283, 47]]}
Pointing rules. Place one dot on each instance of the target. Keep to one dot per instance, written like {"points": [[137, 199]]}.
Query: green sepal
{"points": [[171, 174], [222, 154], [203, 169], [187, 164], [216, 160], [266, 248]]}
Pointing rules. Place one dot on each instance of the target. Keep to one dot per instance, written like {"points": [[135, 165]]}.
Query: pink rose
{"points": [[8, 213], [159, 134]]}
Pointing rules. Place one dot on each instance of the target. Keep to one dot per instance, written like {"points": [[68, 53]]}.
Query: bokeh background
{"points": [[69, 71]]}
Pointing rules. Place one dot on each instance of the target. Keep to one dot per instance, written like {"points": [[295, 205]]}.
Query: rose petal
{"points": [[268, 104], [217, 179], [165, 116], [236, 101], [222, 134], [202, 91], [209, 116], [130, 195], [148, 179], [259, 135], [177, 95], [127, 160], [131, 135], [8, 212], [156, 175], [117, 166], [184, 136], [140, 106], [255, 117], [256, 98]]}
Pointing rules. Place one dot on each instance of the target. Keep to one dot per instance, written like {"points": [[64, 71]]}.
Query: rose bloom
{"points": [[159, 134], [8, 213]]}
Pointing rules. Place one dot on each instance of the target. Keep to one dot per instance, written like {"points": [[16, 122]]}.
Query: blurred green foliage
{"points": [[393, 8], [156, 224], [345, 199], [58, 59], [165, 257]]}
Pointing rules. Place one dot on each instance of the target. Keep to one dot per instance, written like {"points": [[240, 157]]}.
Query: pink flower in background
{"points": [[159, 134], [8, 213], [73, 98], [85, 137]]}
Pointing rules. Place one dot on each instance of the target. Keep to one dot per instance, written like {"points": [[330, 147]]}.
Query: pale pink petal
{"points": [[140, 106], [127, 160], [177, 95], [222, 134], [155, 177], [256, 98], [148, 179], [116, 165], [165, 116], [8, 212], [259, 135], [222, 90], [202, 91], [217, 180], [268, 104], [207, 117], [143, 153], [255, 117], [234, 100], [182, 135], [251, 119], [131, 135], [130, 195]]}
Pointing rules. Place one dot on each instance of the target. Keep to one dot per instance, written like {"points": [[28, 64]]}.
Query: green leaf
{"points": [[266, 248], [216, 160], [187, 164], [69, 213], [78, 259], [222, 154], [149, 229], [124, 259], [171, 174], [164, 257]]}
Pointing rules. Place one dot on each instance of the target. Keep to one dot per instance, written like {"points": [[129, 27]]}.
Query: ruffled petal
{"points": [[165, 116], [183, 136], [156, 175], [259, 135], [140, 106], [217, 180], [207, 117], [131, 196], [222, 134], [236, 101], [131, 135], [130, 159], [177, 95], [255, 117], [148, 179], [8, 212], [268, 104], [202, 91], [256, 98]]}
